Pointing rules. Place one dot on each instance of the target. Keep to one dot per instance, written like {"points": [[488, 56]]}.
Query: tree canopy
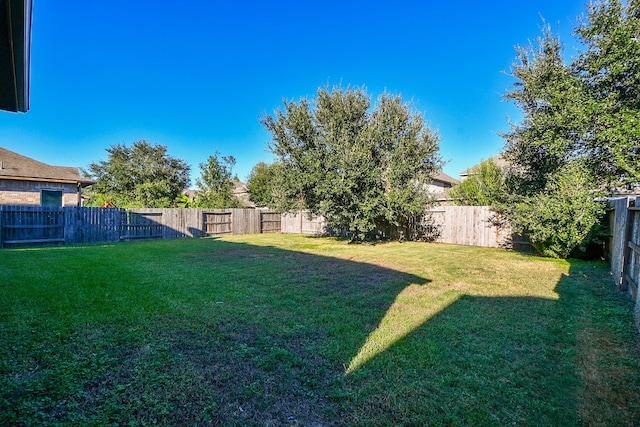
{"points": [[586, 110], [483, 187], [358, 165], [261, 182], [580, 132], [142, 175], [215, 185]]}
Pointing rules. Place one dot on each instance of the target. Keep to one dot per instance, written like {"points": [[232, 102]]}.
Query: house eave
{"points": [[82, 183], [15, 54]]}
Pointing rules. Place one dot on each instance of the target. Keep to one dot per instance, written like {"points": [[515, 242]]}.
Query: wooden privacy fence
{"points": [[625, 247], [36, 225], [32, 225], [302, 223], [459, 225], [474, 226]]}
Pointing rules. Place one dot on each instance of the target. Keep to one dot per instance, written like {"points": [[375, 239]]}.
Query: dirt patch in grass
{"points": [[226, 374]]}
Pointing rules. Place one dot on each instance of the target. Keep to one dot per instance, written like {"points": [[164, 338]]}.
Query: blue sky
{"points": [[197, 75]]}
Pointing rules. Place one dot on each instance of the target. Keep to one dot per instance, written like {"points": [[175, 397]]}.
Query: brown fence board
{"points": [[245, 221], [270, 222], [216, 222], [141, 224], [31, 224], [300, 223], [472, 226]]}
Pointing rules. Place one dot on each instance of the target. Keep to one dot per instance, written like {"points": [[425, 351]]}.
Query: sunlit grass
{"points": [[276, 330], [411, 308]]}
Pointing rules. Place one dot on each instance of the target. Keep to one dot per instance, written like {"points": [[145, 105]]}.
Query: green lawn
{"points": [[292, 330]]}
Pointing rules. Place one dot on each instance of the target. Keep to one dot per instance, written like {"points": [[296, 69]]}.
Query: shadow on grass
{"points": [[216, 333], [512, 361]]}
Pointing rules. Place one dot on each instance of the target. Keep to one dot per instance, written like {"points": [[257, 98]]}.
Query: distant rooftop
{"points": [[498, 160], [443, 177]]}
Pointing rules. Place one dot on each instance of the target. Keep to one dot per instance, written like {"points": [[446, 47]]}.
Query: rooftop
{"points": [[18, 167]]}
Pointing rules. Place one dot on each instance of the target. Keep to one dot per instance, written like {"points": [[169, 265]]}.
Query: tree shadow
{"points": [[510, 360]]}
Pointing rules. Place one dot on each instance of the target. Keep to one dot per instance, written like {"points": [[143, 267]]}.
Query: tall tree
{"points": [[142, 175], [586, 110], [610, 70], [359, 167], [578, 115], [215, 185]]}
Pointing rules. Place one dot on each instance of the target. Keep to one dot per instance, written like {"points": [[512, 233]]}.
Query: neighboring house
{"points": [[440, 186], [631, 189], [241, 192], [24, 181]]}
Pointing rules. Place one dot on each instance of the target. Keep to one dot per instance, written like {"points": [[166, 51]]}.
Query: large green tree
{"points": [[142, 175], [586, 110], [358, 165], [215, 185], [582, 114]]}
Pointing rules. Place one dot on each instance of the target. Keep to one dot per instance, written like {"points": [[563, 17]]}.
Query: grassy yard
{"points": [[290, 330]]}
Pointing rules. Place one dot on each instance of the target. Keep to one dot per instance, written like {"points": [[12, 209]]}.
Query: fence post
{"points": [[69, 223], [626, 257], [1, 222]]}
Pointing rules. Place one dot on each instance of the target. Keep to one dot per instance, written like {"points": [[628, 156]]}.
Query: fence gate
{"points": [[140, 225], [27, 225], [216, 223], [270, 222]]}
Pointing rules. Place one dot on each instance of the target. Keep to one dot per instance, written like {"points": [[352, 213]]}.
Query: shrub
{"points": [[559, 219]]}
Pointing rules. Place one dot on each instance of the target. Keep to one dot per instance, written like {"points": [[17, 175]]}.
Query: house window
{"points": [[51, 198]]}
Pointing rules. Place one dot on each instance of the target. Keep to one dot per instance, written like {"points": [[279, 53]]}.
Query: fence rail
{"points": [[34, 225]]}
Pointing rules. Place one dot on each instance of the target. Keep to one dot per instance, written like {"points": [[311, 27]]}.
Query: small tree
{"points": [[484, 186], [215, 186], [183, 201], [142, 175]]}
